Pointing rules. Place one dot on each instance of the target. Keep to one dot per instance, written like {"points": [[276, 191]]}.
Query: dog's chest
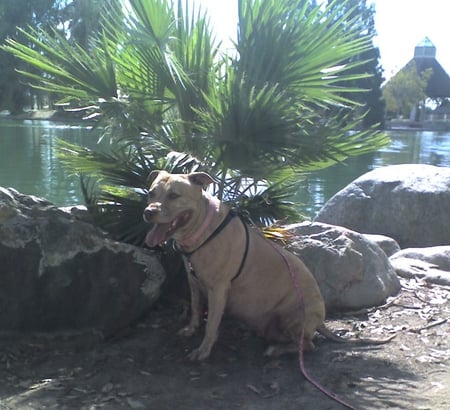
{"points": [[211, 270]]}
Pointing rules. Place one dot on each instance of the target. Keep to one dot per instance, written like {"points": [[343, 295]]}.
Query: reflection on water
{"points": [[407, 147], [417, 147], [28, 161]]}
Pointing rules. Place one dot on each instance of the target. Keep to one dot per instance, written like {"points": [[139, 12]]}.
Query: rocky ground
{"points": [[146, 367]]}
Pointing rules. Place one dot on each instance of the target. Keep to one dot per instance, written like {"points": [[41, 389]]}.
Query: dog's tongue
{"points": [[161, 232], [157, 235]]}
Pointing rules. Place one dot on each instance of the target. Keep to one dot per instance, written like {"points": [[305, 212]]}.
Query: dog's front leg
{"points": [[217, 298], [196, 307]]}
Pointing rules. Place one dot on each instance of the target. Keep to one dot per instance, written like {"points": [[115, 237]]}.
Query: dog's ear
{"points": [[152, 176], [200, 178]]}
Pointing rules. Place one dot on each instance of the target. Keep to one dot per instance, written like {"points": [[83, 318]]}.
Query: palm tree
{"points": [[159, 86]]}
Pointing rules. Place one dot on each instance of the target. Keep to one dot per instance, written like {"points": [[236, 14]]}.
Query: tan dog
{"points": [[233, 266]]}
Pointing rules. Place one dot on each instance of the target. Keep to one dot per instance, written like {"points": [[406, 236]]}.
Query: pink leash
{"points": [[301, 361]]}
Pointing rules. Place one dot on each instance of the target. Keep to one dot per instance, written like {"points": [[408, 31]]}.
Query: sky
{"points": [[400, 26]]}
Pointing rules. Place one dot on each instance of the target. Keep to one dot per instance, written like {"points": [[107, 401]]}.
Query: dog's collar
{"points": [[192, 239], [180, 245], [231, 214]]}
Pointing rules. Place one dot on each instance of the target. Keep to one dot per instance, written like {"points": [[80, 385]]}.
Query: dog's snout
{"points": [[149, 213]]}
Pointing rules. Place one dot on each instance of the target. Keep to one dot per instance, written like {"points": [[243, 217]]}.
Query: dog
{"points": [[234, 268]]}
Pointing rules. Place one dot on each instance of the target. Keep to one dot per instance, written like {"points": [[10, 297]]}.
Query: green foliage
{"points": [[81, 18], [405, 90], [371, 100], [157, 83], [19, 13]]}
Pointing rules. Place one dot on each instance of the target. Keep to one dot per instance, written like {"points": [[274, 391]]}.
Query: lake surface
{"points": [[29, 164], [28, 159], [407, 147]]}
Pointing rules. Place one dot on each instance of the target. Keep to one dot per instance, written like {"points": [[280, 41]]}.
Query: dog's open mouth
{"points": [[162, 232]]}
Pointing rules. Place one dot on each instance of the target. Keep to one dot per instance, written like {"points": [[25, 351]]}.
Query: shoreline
{"points": [[401, 125], [65, 116], [43, 115]]}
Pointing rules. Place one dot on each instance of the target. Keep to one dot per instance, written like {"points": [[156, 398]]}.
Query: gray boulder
{"points": [[59, 273], [389, 245], [352, 271], [409, 203], [431, 264]]}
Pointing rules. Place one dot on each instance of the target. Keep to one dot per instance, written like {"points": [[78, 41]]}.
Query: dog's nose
{"points": [[149, 213]]}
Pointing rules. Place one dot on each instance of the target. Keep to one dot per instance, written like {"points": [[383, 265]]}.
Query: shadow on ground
{"points": [[147, 368]]}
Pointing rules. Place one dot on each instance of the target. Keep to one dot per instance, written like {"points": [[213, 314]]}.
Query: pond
{"points": [[407, 147], [28, 159], [29, 164]]}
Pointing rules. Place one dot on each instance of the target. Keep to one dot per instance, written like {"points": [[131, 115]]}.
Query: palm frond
{"points": [[302, 48], [68, 69], [278, 234], [157, 85]]}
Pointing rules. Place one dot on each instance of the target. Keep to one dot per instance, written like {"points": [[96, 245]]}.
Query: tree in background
{"points": [[82, 18], [405, 90], [369, 93], [78, 19], [161, 89], [40, 14]]}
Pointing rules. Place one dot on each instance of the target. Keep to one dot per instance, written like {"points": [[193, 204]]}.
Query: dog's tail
{"points": [[324, 331]]}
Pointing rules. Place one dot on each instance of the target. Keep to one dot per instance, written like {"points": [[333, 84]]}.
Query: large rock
{"points": [[57, 272], [430, 264], [410, 203], [389, 245], [352, 271]]}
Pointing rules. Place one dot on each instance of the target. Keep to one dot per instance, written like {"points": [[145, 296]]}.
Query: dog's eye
{"points": [[173, 195], [150, 194]]}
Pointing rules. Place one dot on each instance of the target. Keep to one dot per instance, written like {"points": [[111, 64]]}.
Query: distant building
{"points": [[425, 57], [437, 89]]}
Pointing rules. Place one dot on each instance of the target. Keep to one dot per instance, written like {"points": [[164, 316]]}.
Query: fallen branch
{"points": [[365, 311], [430, 325]]}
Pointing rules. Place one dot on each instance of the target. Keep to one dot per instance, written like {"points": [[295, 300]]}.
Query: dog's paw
{"points": [[187, 331], [199, 354]]}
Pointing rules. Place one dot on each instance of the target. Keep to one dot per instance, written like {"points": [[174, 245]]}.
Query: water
{"points": [[29, 164], [28, 159], [407, 147]]}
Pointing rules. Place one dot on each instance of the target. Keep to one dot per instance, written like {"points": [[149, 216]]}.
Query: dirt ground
{"points": [[146, 367]]}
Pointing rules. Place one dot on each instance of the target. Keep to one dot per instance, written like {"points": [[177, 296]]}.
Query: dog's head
{"points": [[173, 200]]}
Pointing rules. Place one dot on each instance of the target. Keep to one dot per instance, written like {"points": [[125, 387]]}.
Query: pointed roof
{"points": [[425, 49], [439, 83], [425, 57]]}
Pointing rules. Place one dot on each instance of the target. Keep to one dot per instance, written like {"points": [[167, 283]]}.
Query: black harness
{"points": [[230, 216]]}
